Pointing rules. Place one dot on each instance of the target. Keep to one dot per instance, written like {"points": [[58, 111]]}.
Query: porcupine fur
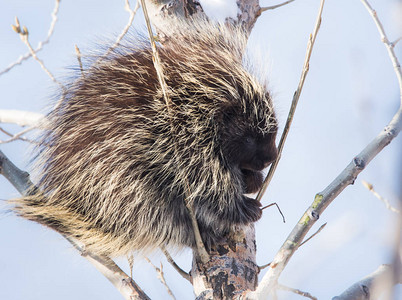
{"points": [[117, 163]]}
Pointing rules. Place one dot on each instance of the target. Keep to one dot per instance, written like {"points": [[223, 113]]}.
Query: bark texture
{"points": [[231, 270]]}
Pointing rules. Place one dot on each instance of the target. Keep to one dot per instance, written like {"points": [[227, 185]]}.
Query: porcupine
{"points": [[118, 162]]}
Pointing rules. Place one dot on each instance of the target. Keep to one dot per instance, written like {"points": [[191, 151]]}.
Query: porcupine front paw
{"points": [[252, 181], [251, 210]]}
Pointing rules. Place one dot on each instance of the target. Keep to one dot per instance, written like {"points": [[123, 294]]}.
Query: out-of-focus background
{"points": [[350, 94]]}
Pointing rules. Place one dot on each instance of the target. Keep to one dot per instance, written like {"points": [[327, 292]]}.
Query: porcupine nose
{"points": [[270, 156]]}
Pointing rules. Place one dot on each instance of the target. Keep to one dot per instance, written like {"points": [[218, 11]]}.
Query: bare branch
{"points": [[304, 242], [78, 52], [295, 100], [183, 273], [277, 206], [41, 44], [371, 286], [17, 136], [155, 56], [388, 45], [161, 277], [125, 285], [275, 6], [313, 235], [370, 187], [296, 291], [24, 35], [165, 13], [132, 13], [323, 199], [21, 118], [393, 44], [108, 268]]}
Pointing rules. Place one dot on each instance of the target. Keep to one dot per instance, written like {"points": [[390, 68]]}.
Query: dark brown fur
{"points": [[117, 165]]}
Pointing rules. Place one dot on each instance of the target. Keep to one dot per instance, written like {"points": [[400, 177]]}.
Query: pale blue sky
{"points": [[350, 94]]}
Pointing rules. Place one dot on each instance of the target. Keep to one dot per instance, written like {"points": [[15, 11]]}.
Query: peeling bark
{"points": [[231, 270]]}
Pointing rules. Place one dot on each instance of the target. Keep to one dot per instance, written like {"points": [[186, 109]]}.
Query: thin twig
{"points": [[313, 235], [264, 266], [295, 100], [132, 13], [370, 187], [276, 6], [41, 44], [161, 277], [308, 239], [78, 52], [183, 273], [388, 45], [202, 252], [296, 291], [24, 35], [17, 136], [155, 56], [277, 206], [396, 41], [130, 259]]}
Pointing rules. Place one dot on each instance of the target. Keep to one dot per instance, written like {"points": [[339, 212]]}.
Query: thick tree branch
{"points": [[165, 13], [372, 286], [19, 117], [231, 270], [248, 13]]}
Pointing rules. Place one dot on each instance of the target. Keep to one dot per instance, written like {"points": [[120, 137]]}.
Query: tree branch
{"points": [[17, 136], [296, 291], [41, 44], [295, 100], [323, 199], [231, 270], [165, 13], [389, 46], [24, 35], [275, 6], [248, 13], [21, 118], [371, 286], [184, 274], [124, 283], [370, 187], [161, 277]]}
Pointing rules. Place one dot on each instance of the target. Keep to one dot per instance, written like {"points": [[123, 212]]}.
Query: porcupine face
{"points": [[249, 148]]}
